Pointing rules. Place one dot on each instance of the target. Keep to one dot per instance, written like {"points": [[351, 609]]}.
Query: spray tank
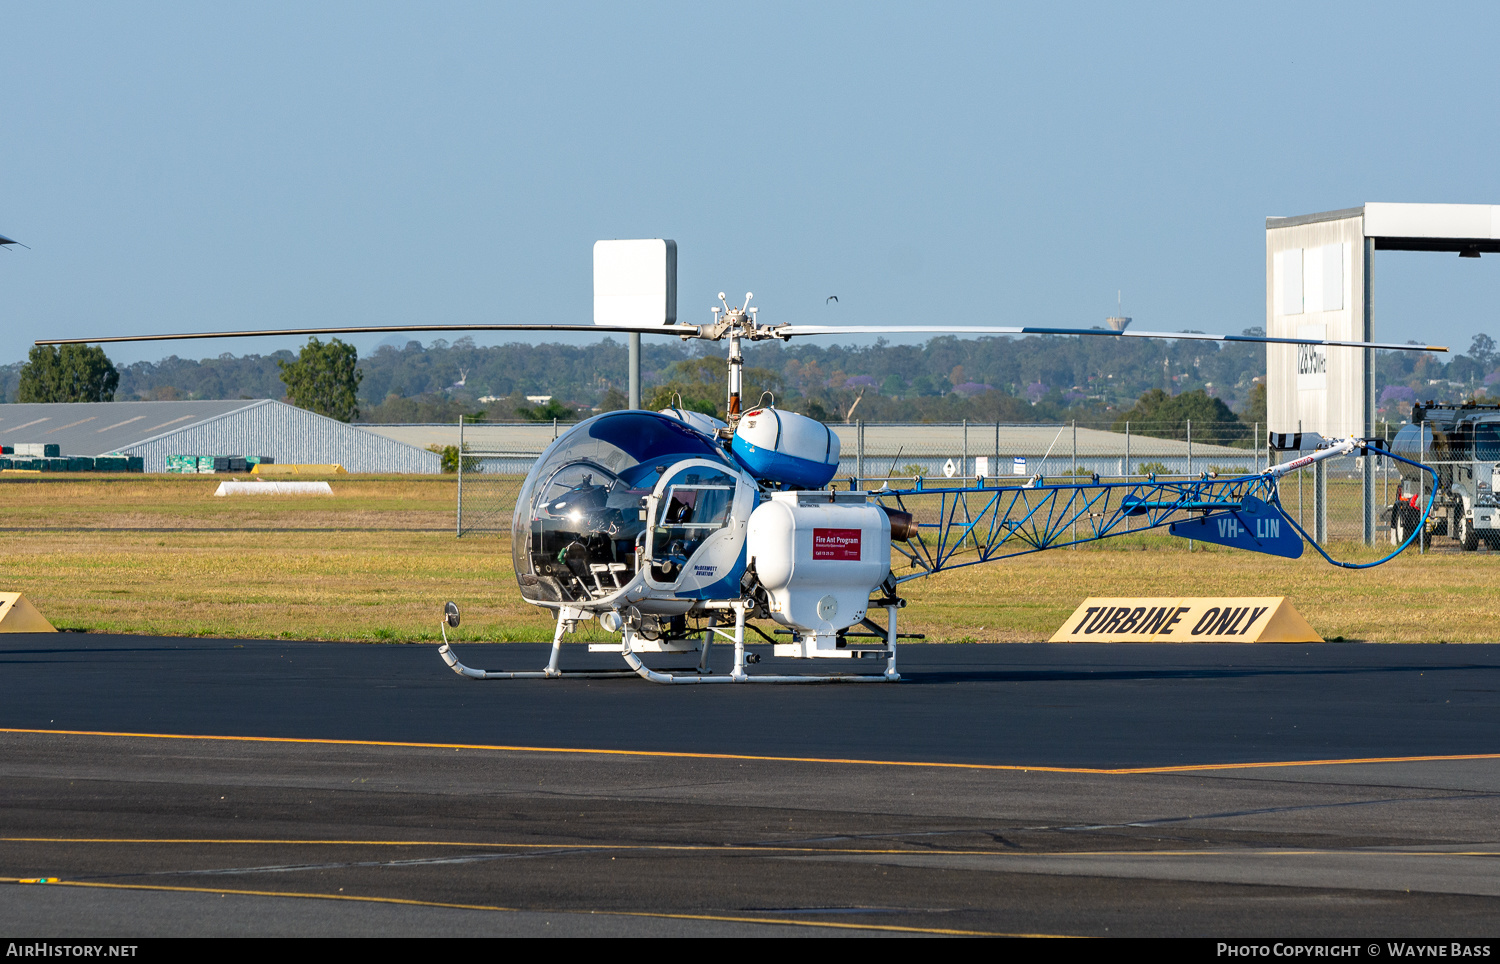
{"points": [[786, 448]]}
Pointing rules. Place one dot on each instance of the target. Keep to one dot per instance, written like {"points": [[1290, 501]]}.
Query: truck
{"points": [[1461, 441]]}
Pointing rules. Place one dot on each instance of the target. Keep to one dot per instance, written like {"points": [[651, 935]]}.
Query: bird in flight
{"points": [[831, 298]]}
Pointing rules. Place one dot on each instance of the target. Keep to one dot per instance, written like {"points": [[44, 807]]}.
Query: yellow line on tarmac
{"points": [[675, 754], [515, 910]]}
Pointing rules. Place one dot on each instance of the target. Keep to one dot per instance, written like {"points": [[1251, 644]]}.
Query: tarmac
{"points": [[206, 787]]}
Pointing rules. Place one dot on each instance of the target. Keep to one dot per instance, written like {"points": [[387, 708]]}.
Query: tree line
{"points": [[1093, 380]]}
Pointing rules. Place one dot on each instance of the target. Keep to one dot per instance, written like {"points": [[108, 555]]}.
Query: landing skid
{"points": [[567, 618], [551, 672]]}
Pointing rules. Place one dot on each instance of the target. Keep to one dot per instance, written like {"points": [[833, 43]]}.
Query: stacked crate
{"points": [[45, 458], [210, 464]]}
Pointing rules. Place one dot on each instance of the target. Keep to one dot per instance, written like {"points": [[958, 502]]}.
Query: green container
{"points": [[80, 463]]}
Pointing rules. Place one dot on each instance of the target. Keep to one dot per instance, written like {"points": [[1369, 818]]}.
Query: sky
{"points": [[180, 167]]}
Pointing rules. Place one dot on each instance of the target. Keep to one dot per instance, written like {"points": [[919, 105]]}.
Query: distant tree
{"points": [[546, 413], [1255, 411], [613, 400], [324, 379], [71, 373], [697, 384], [422, 408], [1396, 398], [449, 456], [1482, 350], [669, 396], [1166, 416], [813, 409], [923, 385], [1464, 369]]}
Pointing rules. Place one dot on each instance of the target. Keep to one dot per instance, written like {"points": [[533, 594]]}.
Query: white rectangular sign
{"points": [[635, 283]]}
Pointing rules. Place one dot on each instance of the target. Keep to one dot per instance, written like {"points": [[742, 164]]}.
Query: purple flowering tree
{"points": [[1397, 396]]}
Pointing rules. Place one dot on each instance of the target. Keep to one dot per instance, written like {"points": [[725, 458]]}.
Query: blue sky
{"points": [[200, 166]]}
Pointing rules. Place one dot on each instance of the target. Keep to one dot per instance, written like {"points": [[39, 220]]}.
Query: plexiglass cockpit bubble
{"points": [[581, 511]]}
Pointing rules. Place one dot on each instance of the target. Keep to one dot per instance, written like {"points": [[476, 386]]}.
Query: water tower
{"points": [[1118, 321]]}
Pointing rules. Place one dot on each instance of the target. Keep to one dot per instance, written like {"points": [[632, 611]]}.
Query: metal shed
{"points": [[154, 430]]}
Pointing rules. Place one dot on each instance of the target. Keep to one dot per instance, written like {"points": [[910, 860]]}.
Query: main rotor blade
{"points": [[379, 329], [792, 331], [782, 331]]}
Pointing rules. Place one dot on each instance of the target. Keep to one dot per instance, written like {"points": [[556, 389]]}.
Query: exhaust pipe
{"points": [[903, 526]]}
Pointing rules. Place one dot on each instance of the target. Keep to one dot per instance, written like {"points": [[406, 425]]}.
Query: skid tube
{"points": [[638, 668], [551, 672]]}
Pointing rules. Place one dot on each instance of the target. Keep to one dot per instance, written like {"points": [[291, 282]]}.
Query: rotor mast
{"points": [[735, 323]]}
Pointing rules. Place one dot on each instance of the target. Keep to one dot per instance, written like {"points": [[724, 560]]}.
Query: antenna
{"points": [[1118, 321]]}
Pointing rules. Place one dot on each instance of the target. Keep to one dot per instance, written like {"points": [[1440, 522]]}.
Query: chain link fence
{"points": [[1333, 502], [493, 461]]}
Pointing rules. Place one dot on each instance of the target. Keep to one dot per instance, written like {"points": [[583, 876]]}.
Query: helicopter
{"points": [[678, 531]]}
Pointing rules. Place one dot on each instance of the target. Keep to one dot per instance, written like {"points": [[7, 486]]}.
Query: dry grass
{"points": [[162, 555]]}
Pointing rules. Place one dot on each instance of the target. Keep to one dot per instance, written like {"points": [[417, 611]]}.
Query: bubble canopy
{"points": [[580, 508]]}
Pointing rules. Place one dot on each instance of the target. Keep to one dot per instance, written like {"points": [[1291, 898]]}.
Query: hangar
{"points": [[154, 430], [1320, 284]]}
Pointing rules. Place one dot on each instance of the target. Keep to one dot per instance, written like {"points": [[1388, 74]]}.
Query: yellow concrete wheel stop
{"points": [[19, 616], [1186, 619]]}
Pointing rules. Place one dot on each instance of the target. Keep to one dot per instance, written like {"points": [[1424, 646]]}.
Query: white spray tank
{"points": [[819, 556], [785, 447], [706, 424]]}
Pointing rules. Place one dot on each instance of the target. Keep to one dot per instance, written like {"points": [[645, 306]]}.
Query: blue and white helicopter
{"points": [[675, 530]]}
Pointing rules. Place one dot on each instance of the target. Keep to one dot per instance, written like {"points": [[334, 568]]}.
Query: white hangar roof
{"points": [[1416, 227], [154, 430]]}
